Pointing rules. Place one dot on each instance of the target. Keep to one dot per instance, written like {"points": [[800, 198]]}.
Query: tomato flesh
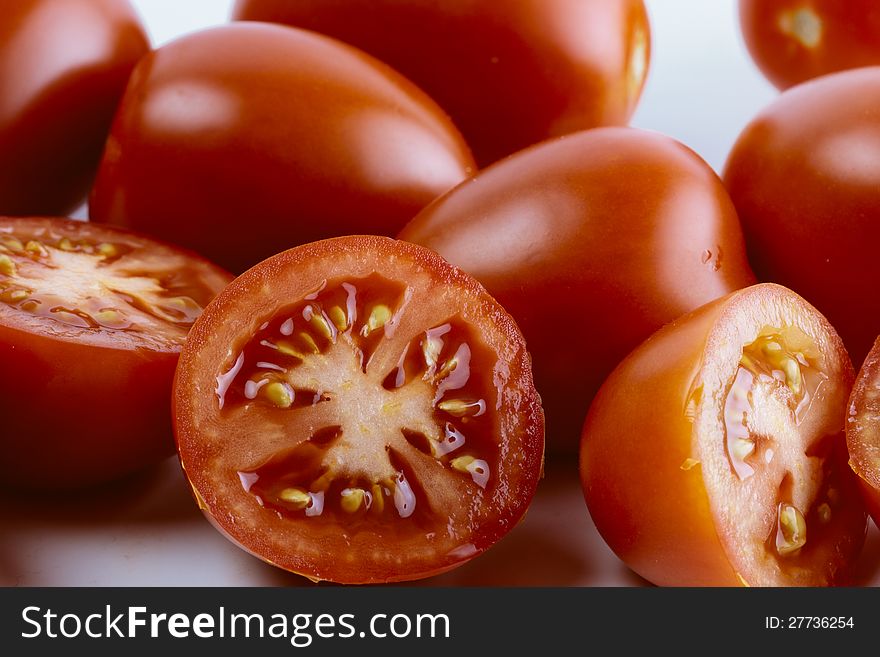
{"points": [[736, 412], [91, 322], [863, 431], [386, 418]]}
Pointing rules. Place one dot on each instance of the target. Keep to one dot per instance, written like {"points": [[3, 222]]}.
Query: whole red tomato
{"points": [[63, 67], [714, 455], [805, 178], [358, 410], [510, 74], [592, 242], [795, 40], [242, 141], [92, 319]]}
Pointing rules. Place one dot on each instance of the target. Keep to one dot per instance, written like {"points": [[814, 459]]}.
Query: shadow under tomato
{"points": [[155, 495]]}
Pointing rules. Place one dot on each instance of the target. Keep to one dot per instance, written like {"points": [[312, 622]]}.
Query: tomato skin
{"points": [[285, 137], [509, 74], [803, 178], [644, 484], [863, 431], [591, 243], [71, 418], [82, 408], [323, 552], [63, 67], [833, 36]]}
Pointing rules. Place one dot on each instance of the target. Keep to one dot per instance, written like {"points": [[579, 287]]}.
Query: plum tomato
{"points": [[714, 455], [604, 236], [245, 140], [805, 179], [358, 410], [863, 431], [92, 320], [63, 67], [510, 74], [795, 40]]}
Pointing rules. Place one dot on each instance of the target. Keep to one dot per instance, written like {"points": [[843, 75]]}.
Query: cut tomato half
{"points": [[358, 410], [863, 431], [92, 320], [715, 454]]}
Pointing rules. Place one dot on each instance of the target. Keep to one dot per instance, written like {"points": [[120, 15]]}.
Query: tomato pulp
{"points": [[863, 431]]}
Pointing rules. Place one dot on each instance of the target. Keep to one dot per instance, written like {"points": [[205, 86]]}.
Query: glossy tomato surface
{"points": [[92, 320], [63, 67], [244, 140], [863, 431], [510, 74], [358, 410], [805, 178], [795, 40], [592, 242], [715, 455]]}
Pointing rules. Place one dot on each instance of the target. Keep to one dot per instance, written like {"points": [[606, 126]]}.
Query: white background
{"points": [[702, 90]]}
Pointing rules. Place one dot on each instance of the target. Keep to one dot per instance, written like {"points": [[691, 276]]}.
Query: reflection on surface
{"points": [[147, 531]]}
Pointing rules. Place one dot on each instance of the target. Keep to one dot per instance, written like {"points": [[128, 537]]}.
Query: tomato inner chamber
{"points": [[91, 284], [367, 423], [766, 409]]}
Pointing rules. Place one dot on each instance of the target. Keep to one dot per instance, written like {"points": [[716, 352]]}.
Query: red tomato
{"points": [[91, 322], [591, 242], [863, 431], [63, 67], [510, 74], [358, 410], [715, 455], [795, 40], [244, 140], [805, 178]]}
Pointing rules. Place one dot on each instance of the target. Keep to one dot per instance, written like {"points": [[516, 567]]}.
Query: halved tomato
{"points": [[92, 320], [715, 454], [863, 431], [358, 410]]}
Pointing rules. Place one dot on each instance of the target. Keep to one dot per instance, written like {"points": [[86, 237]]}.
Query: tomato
{"points": [[715, 455], [795, 40], [863, 431], [358, 410], [242, 141], [592, 242], [63, 67], [804, 177], [92, 320], [509, 74]]}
